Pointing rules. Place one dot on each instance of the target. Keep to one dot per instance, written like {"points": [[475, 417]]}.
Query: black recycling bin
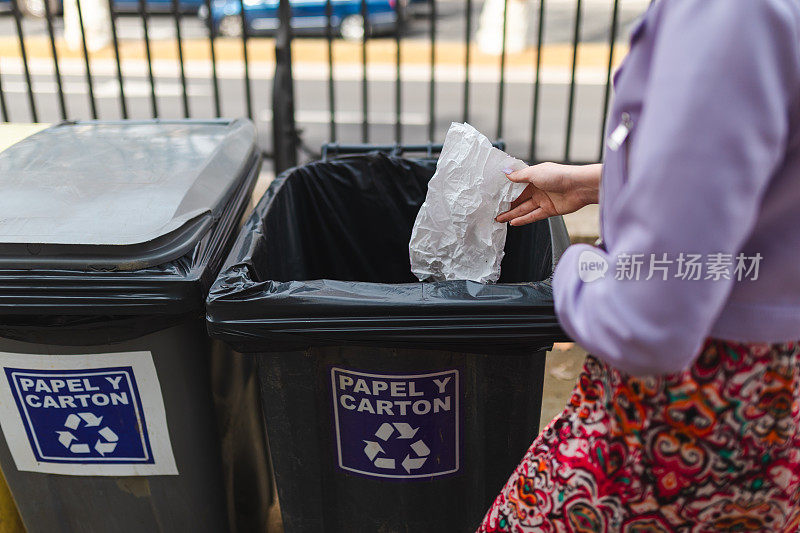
{"points": [[118, 412], [391, 405]]}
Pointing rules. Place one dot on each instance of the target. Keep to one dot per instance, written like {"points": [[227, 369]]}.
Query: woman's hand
{"points": [[552, 190]]}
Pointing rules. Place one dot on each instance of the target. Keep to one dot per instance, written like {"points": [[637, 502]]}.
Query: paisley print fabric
{"points": [[713, 448]]}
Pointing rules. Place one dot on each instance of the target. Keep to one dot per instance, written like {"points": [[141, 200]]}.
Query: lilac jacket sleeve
{"points": [[712, 129]]}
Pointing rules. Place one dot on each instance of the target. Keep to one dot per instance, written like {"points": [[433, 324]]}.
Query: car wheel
{"points": [[35, 8], [231, 26], [352, 28]]}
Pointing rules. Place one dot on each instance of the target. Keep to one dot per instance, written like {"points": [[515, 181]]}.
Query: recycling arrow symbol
{"points": [[106, 441], [404, 431]]}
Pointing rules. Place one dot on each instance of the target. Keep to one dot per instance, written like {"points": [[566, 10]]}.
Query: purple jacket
{"points": [[703, 159]]}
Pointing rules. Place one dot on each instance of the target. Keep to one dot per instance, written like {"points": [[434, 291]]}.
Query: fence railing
{"points": [[547, 99]]}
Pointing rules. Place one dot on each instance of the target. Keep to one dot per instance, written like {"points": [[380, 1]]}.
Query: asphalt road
{"points": [[312, 111], [311, 91], [559, 22]]}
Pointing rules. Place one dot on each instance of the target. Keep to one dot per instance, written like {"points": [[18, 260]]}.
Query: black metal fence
{"points": [[525, 115]]}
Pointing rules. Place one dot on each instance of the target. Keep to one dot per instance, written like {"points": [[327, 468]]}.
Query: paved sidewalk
{"points": [[584, 224], [313, 50], [10, 522], [564, 364]]}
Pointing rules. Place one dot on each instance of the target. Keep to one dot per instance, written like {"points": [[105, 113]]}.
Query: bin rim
{"points": [[266, 315]]}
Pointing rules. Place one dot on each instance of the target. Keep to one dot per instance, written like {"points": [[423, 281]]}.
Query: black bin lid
{"points": [[117, 195], [112, 230]]}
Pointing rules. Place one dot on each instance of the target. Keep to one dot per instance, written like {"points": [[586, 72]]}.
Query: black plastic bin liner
{"points": [[323, 260]]}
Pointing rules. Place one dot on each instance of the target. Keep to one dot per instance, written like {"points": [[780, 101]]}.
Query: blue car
{"points": [[36, 8], [157, 6], [308, 16]]}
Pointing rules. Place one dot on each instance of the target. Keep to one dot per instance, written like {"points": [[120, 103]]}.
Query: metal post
{"points": [[364, 81], [153, 98], [115, 39], [31, 99], [212, 31], [432, 86], [467, 44], [398, 84], [537, 84], [284, 132], [248, 97], [331, 88], [576, 39], [176, 14], [612, 39], [48, 15], [501, 87]]}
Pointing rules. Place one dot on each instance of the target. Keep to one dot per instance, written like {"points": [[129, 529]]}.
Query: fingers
{"points": [[533, 216], [518, 202], [519, 176], [526, 195], [518, 211], [527, 208]]}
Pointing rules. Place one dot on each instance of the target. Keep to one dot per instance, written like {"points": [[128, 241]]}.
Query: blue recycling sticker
{"points": [[82, 416], [397, 426]]}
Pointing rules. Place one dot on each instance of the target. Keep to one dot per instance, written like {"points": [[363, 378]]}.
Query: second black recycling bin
{"points": [[391, 405], [118, 413]]}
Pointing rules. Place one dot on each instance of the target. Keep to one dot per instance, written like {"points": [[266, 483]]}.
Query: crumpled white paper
{"points": [[455, 235]]}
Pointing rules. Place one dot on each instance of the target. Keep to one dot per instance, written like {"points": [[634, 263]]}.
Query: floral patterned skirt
{"points": [[713, 448]]}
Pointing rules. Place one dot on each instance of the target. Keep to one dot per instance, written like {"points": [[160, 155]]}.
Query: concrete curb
{"points": [[379, 51]]}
